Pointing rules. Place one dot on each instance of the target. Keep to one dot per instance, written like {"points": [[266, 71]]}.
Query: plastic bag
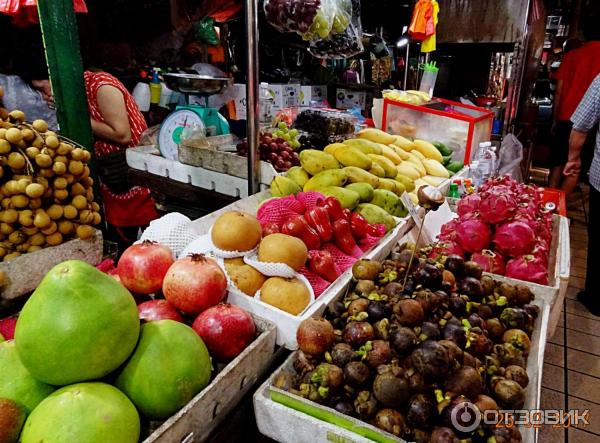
{"points": [[204, 31], [309, 18], [510, 157], [345, 40]]}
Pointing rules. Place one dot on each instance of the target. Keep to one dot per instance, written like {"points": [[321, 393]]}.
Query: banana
{"points": [[389, 153], [348, 156], [409, 170], [399, 152], [408, 183], [363, 145], [377, 136], [314, 161], [428, 150], [377, 170], [330, 149], [357, 175], [433, 180], [404, 143], [435, 168], [388, 166], [330, 177]]}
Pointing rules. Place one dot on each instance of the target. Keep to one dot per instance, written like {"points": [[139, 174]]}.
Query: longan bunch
{"points": [[46, 192]]}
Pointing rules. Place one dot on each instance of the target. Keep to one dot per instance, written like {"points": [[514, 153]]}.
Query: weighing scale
{"points": [[191, 116]]}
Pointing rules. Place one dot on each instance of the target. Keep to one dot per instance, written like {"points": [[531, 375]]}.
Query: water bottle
{"points": [[265, 104]]}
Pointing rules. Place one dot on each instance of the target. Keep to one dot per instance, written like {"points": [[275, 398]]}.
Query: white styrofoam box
{"points": [[311, 94], [348, 98], [286, 95], [148, 159], [239, 99]]}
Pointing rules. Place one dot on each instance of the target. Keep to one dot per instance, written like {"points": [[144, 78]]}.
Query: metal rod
{"points": [[252, 99], [406, 65]]}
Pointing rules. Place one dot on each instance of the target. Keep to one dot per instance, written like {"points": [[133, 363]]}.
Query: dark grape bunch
{"points": [[274, 150], [337, 46], [323, 123], [292, 15]]}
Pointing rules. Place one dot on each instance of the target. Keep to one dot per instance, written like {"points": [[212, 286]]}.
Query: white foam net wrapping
{"points": [[173, 230]]}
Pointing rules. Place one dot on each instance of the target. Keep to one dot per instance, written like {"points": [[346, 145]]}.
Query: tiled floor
{"points": [[571, 374]]}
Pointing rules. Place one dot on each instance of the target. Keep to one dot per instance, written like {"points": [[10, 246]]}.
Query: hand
{"points": [[45, 88], [573, 167]]}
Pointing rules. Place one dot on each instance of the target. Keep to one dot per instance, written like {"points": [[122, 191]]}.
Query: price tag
{"points": [[412, 209]]}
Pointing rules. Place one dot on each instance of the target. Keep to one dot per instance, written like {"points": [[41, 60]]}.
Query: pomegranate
{"points": [[489, 261], [473, 235], [142, 267], [7, 327], [194, 283], [468, 204], [445, 248], [226, 330], [514, 238], [528, 268], [498, 205], [153, 310]]}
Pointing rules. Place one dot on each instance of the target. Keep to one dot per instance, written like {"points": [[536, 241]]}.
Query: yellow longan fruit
{"points": [[52, 141], [97, 218], [44, 160], [86, 217], [85, 173], [51, 229], [11, 187], [38, 142], [88, 182], [10, 216], [35, 203], [59, 168], [54, 239], [27, 134], [32, 152], [17, 238], [69, 177], [49, 133], [89, 194], [42, 181], [61, 194], [79, 201], [23, 247], [11, 256], [6, 229], [64, 149], [33, 248], [34, 190], [77, 154], [95, 206], [50, 152], [61, 159], [40, 125], [37, 239], [41, 219], [85, 231], [2, 251], [86, 156], [77, 189], [60, 183], [13, 135], [46, 172], [66, 227], [16, 160], [19, 201], [48, 193], [17, 115], [55, 212], [2, 133], [75, 167], [30, 231], [22, 184], [1, 171], [5, 147], [6, 202], [70, 212], [26, 217]]}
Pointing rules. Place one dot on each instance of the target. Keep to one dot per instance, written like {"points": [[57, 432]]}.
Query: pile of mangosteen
{"points": [[403, 356]]}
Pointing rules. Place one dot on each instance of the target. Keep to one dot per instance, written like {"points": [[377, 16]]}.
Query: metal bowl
{"points": [[195, 84]]}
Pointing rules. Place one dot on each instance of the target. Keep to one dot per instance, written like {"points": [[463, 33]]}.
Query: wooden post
{"points": [[61, 44]]}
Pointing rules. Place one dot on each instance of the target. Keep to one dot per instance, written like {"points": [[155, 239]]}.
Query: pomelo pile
{"points": [[82, 369], [504, 228]]}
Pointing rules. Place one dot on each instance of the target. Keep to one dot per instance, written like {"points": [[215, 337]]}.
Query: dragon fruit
{"points": [[541, 251], [498, 205], [528, 268], [527, 209], [448, 231], [514, 238], [468, 204], [445, 248], [473, 235], [489, 261]]}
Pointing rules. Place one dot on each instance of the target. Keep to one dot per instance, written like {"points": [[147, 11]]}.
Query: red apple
{"points": [[142, 267], [226, 330], [158, 310], [7, 327]]}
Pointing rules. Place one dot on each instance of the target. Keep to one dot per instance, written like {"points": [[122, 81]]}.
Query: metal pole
{"points": [[406, 65], [252, 99]]}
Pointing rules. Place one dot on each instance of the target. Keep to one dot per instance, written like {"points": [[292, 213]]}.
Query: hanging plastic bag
{"points": [[24, 12], [309, 18], [510, 157], [345, 39], [204, 31]]}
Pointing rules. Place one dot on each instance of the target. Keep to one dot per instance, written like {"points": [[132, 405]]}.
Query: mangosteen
{"points": [[455, 333], [476, 321], [429, 331], [458, 414], [455, 354], [365, 405], [509, 393], [336, 309], [356, 373], [357, 333], [310, 392], [488, 284], [431, 359], [508, 291], [532, 310], [448, 277], [524, 295], [518, 374], [443, 435], [342, 354], [393, 289], [285, 381], [427, 299], [377, 311], [455, 264], [303, 363], [495, 328], [345, 407], [457, 305], [408, 312], [403, 341], [404, 258], [519, 339], [505, 434], [366, 269], [485, 403], [470, 360], [484, 311], [465, 381], [365, 287], [382, 329], [390, 390], [479, 344], [390, 421], [430, 276], [422, 411], [516, 318], [357, 306], [442, 298], [417, 383], [380, 353], [472, 269], [410, 286], [472, 287], [328, 376]]}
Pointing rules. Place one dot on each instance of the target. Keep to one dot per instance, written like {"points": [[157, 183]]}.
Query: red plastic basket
{"points": [[557, 197]]}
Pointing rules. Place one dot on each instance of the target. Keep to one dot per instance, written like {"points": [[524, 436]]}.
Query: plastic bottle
{"points": [[430, 73], [265, 104], [453, 191], [485, 159], [155, 87], [141, 95]]}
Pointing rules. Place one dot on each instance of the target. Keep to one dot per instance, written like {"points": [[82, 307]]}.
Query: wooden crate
{"points": [[195, 421], [24, 273]]}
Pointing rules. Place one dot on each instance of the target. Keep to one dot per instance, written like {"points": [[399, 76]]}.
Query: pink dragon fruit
{"points": [[544, 231], [448, 231], [468, 204], [445, 248], [541, 251], [498, 181], [489, 261], [514, 238], [473, 235], [528, 268], [498, 205], [527, 208]]}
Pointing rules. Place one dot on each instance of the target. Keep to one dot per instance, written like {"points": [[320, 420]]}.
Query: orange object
{"points": [[557, 197], [422, 24], [430, 42], [24, 12]]}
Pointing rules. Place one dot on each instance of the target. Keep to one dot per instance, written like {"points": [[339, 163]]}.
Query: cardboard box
{"points": [[285, 95], [348, 98], [312, 94]]}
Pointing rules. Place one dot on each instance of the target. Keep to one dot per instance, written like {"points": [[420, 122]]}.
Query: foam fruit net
{"points": [[279, 210]]}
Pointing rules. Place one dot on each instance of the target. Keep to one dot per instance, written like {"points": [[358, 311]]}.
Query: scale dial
{"points": [[169, 134]]}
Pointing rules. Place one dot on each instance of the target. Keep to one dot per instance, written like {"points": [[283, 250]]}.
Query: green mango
{"points": [[330, 177], [455, 166], [349, 156], [400, 210], [357, 175], [385, 199], [409, 184], [348, 198], [444, 150], [282, 186], [365, 190], [376, 215], [298, 175], [314, 161]]}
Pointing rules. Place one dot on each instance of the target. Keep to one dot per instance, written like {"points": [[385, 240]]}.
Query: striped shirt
{"points": [[585, 118]]}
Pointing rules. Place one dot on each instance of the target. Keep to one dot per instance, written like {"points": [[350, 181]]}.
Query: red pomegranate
{"points": [[153, 310], [226, 330], [194, 283], [7, 327], [142, 267]]}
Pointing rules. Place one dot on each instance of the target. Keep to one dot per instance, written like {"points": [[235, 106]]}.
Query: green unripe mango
{"points": [[282, 186], [314, 161], [376, 215], [297, 175], [353, 157], [330, 177], [364, 190], [349, 199]]}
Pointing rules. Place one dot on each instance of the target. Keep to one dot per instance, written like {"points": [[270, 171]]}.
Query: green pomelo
{"points": [[16, 383], [168, 368], [78, 325], [83, 413]]}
